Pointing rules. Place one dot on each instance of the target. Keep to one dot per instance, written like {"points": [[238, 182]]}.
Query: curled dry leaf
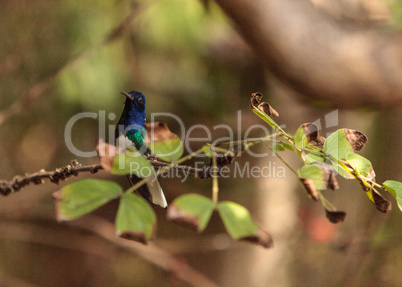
{"points": [[335, 216], [311, 131], [356, 139], [106, 153], [333, 182], [157, 132], [312, 134], [266, 108], [255, 103], [380, 202], [310, 187], [319, 142], [255, 99]]}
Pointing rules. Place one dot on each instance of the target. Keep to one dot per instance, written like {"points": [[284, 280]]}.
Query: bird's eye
{"points": [[140, 101]]}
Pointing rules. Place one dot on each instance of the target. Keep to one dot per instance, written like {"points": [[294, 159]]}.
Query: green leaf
{"points": [[278, 147], [81, 197], [337, 145], [168, 150], [342, 143], [237, 220], [394, 188], [342, 172], [207, 150], [191, 210], [314, 173], [267, 119], [317, 176], [135, 219], [240, 226], [288, 146], [165, 144], [310, 158], [360, 164], [300, 138], [132, 162]]}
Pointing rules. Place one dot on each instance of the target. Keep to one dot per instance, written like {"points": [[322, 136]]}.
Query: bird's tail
{"points": [[152, 191]]}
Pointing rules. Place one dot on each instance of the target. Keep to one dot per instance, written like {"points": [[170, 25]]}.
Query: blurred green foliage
{"points": [[180, 55], [396, 11], [189, 61]]}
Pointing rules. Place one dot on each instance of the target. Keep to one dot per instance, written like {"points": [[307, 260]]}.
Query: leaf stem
{"points": [[282, 159], [215, 186], [325, 202], [252, 140]]}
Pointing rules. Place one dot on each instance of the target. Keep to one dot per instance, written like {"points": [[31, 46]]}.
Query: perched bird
{"points": [[130, 133]]}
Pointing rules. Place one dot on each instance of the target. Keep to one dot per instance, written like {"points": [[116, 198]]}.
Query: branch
{"points": [[320, 58], [74, 168], [55, 176], [38, 230], [150, 253]]}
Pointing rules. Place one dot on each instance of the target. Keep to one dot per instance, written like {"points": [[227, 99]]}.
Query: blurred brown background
{"points": [[58, 59]]}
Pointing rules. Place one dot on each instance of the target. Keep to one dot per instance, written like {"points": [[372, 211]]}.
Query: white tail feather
{"points": [[158, 198]]}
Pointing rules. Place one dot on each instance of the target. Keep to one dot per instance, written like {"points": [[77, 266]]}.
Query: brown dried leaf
{"points": [[106, 153], [260, 238], [333, 182], [311, 131], [380, 202], [329, 175], [356, 139], [320, 141], [135, 236], [266, 108], [157, 132], [255, 99], [313, 135], [310, 187], [335, 216], [181, 217], [364, 184]]}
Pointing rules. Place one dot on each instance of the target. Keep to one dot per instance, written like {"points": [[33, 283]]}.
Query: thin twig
{"points": [[74, 168]]}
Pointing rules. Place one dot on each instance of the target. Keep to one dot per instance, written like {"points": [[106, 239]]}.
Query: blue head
{"points": [[133, 116]]}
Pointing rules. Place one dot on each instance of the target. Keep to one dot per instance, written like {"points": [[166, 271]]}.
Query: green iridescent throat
{"points": [[137, 138]]}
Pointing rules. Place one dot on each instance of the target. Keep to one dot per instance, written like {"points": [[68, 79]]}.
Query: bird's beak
{"points": [[130, 97]]}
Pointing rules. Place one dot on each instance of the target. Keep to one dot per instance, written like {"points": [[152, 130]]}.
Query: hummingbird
{"points": [[129, 134]]}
